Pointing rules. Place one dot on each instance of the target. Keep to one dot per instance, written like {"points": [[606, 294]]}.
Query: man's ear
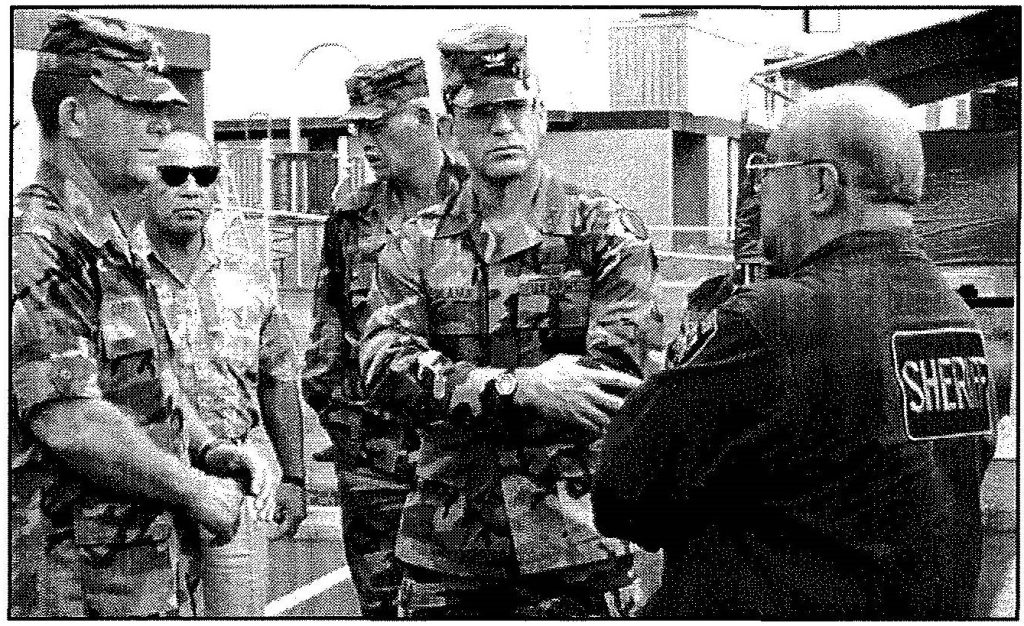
{"points": [[823, 194], [71, 117], [444, 128], [424, 116], [542, 117]]}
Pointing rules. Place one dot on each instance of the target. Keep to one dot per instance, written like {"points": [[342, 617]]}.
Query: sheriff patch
{"points": [[943, 377]]}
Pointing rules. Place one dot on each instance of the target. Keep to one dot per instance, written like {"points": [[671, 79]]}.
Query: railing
{"points": [[295, 240]]}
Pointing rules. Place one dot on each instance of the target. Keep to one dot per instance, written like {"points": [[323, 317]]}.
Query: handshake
{"points": [[573, 390], [569, 390]]}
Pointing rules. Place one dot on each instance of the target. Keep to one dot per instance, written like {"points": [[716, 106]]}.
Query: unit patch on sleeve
{"points": [[943, 376]]}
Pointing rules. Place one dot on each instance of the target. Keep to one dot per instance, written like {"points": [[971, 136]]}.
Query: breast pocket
{"points": [[456, 311], [553, 302], [234, 318], [574, 305], [125, 327]]}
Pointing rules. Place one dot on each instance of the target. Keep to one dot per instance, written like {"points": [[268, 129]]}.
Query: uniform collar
{"points": [[550, 214], [387, 196], [79, 196], [209, 258]]}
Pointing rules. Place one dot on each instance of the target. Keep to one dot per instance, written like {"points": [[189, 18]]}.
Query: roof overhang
{"points": [[924, 65]]}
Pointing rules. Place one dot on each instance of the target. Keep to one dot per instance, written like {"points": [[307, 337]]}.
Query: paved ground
{"points": [[309, 577]]}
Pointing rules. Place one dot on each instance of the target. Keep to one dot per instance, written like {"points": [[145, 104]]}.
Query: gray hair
{"points": [[866, 130]]}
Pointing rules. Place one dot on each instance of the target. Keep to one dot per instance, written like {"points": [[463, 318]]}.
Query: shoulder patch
{"points": [[692, 340], [601, 214], [943, 377]]}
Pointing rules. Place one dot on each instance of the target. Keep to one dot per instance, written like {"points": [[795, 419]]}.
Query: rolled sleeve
{"points": [[327, 359], [54, 353], [278, 359]]}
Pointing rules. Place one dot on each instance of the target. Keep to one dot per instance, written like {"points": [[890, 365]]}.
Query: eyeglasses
{"points": [[363, 128], [758, 165], [176, 175]]}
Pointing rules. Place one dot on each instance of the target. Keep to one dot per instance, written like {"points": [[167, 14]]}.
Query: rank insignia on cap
{"points": [[482, 64], [156, 61], [494, 60]]}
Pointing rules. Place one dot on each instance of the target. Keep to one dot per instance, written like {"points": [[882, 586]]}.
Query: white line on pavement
{"points": [[306, 592]]}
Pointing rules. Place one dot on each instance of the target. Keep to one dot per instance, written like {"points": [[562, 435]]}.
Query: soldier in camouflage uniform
{"points": [[98, 433], [399, 135], [508, 323]]}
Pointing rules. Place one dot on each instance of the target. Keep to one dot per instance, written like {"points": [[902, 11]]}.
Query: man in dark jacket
{"points": [[818, 450]]}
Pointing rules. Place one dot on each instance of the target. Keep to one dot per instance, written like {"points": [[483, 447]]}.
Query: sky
{"points": [[255, 53]]}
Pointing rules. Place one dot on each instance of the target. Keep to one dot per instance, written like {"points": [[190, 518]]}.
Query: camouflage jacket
{"points": [[372, 448], [86, 324], [575, 275]]}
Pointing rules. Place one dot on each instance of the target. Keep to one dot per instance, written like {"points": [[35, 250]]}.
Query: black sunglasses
{"points": [[176, 175]]}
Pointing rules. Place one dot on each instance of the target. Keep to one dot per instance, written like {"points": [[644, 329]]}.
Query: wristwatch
{"points": [[505, 385]]}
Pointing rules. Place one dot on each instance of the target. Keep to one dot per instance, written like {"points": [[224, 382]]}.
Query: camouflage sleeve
{"points": [[277, 357], [278, 390], [626, 325], [402, 372], [329, 350], [53, 325]]}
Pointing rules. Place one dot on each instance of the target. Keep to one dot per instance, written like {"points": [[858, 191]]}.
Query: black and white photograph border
{"points": [[670, 110]]}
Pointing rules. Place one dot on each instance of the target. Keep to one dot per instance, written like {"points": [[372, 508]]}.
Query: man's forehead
{"points": [[185, 151], [504, 102]]}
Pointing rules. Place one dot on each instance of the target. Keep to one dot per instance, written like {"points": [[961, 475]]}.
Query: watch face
{"points": [[505, 384]]}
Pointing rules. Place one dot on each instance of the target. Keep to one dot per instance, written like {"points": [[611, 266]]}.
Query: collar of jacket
{"points": [[209, 258], [551, 213], [854, 242], [95, 223], [371, 202]]}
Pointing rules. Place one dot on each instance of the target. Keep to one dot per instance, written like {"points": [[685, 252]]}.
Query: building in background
{"points": [[660, 106]]}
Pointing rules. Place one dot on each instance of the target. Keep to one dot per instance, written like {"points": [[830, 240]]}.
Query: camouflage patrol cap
{"points": [[121, 59], [484, 64], [376, 89]]}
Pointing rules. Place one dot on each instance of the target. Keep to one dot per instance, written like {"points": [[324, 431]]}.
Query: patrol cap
{"points": [[121, 59], [484, 64], [376, 89]]}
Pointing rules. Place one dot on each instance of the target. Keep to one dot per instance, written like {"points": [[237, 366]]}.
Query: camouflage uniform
{"points": [[228, 330], [85, 324], [371, 450], [502, 498]]}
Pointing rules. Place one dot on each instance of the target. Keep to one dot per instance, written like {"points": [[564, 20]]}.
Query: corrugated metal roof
{"points": [[924, 65]]}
